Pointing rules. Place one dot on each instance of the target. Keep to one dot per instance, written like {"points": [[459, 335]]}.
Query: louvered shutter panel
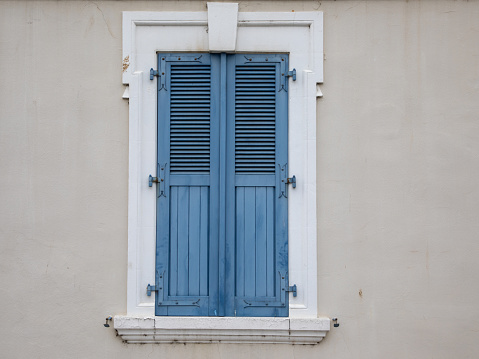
{"points": [[187, 264], [258, 241], [222, 167]]}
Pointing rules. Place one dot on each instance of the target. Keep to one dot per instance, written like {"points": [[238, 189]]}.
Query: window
{"points": [[222, 29], [222, 218]]}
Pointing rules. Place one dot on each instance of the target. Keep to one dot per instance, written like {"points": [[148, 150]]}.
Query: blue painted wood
{"points": [[213, 285], [260, 136], [183, 240], [185, 274], [189, 180], [232, 249], [270, 242], [242, 180], [203, 241], [239, 275], [189, 117], [250, 241], [188, 241], [260, 233], [173, 278], [222, 246], [222, 176], [194, 242]]}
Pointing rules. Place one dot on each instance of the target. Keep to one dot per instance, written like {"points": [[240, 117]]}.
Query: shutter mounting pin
{"points": [[292, 74], [153, 73], [152, 179], [106, 325], [293, 289], [290, 180], [149, 289]]}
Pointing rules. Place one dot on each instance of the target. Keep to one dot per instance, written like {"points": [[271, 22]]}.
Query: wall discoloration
{"points": [[126, 63]]}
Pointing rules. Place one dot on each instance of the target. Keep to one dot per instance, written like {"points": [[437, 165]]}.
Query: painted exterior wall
{"points": [[398, 167]]}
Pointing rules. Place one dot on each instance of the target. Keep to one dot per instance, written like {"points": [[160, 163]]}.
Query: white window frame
{"points": [[222, 29]]}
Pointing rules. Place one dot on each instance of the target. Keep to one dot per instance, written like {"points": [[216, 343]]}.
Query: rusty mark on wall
{"points": [[126, 63]]}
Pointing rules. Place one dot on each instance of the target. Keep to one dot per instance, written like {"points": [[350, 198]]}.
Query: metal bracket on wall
{"points": [[152, 179], [149, 289], [291, 74], [293, 289], [291, 180], [153, 73], [160, 179]]}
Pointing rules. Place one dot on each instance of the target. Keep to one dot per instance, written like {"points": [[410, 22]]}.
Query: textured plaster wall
{"points": [[398, 174]]}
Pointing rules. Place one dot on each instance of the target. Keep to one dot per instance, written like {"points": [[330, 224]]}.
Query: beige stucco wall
{"points": [[398, 174]]}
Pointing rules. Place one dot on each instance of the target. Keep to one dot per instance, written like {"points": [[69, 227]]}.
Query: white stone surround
{"points": [[296, 33], [221, 330]]}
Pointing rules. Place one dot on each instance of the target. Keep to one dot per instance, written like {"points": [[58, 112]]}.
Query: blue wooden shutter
{"points": [[222, 232], [257, 233], [187, 195]]}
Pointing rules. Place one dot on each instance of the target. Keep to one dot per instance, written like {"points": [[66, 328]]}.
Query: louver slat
{"points": [[255, 109], [190, 100]]}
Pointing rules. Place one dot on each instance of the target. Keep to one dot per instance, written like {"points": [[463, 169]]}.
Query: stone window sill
{"points": [[156, 330]]}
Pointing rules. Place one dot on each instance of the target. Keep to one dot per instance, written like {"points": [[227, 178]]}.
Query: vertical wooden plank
{"points": [[281, 204], [183, 211], [173, 278], [203, 241], [230, 245], [213, 230], [222, 168], [240, 242], [194, 242], [260, 233], [250, 241], [163, 203], [184, 255], [270, 249]]}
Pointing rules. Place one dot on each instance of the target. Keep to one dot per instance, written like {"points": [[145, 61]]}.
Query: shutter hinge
{"points": [[284, 180], [288, 74], [149, 289], [291, 180], [152, 179], [153, 73], [160, 179], [293, 289]]}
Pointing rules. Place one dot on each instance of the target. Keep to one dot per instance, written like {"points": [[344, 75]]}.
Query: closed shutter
{"points": [[222, 147], [258, 136], [187, 195]]}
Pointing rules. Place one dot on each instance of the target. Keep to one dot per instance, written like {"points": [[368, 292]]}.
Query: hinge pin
{"points": [[152, 179], [293, 289], [153, 73], [290, 180], [292, 74], [149, 289]]}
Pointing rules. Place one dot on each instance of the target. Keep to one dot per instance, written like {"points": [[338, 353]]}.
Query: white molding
{"points": [[222, 24], [158, 330], [300, 35]]}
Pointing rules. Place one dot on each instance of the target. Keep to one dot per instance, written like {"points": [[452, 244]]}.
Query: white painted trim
{"points": [[222, 26], [157, 330], [300, 35]]}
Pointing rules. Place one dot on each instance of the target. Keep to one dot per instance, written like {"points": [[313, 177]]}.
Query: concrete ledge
{"points": [[221, 330]]}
